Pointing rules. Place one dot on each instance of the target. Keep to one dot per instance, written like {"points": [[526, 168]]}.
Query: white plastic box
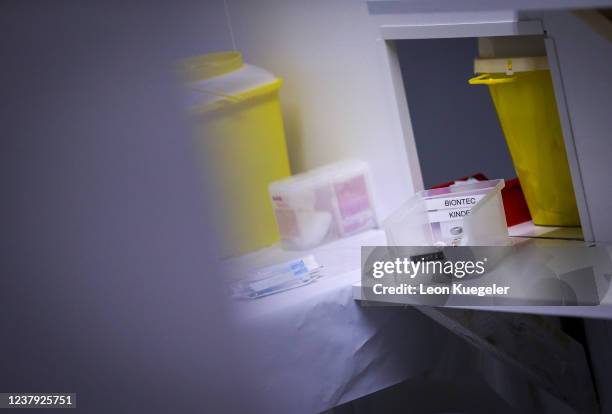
{"points": [[470, 214], [323, 204]]}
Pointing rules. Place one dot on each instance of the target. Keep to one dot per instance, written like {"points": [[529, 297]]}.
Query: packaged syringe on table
{"points": [[278, 278]]}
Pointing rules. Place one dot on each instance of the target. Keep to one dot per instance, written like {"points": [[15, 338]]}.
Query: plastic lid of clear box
{"points": [[319, 176], [457, 189]]}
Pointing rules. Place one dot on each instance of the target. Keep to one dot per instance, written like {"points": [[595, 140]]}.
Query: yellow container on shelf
{"points": [[242, 140], [522, 91]]}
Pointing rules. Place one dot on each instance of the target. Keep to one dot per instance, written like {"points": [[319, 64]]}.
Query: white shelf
{"points": [[530, 230]]}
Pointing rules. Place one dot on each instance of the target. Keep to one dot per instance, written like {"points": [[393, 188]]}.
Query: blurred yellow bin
{"points": [[522, 91], [242, 140]]}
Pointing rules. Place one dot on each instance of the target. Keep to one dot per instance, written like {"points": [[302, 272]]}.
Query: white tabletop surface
{"points": [[319, 347]]}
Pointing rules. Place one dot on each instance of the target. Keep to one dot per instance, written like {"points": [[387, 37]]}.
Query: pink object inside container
{"points": [[324, 204]]}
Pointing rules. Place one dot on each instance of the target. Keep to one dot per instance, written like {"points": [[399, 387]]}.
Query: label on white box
{"points": [[460, 202], [446, 215]]}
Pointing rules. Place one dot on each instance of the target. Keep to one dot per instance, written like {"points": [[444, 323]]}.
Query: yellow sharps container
{"points": [[241, 137], [522, 91]]}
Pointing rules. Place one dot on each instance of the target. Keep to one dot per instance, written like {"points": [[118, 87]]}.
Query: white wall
{"points": [[213, 20]]}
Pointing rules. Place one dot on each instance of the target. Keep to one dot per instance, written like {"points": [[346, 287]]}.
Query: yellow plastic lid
{"points": [[510, 65], [211, 65]]}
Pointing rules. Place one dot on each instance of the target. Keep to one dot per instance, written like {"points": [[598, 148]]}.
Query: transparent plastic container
{"points": [[323, 205], [469, 214]]}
